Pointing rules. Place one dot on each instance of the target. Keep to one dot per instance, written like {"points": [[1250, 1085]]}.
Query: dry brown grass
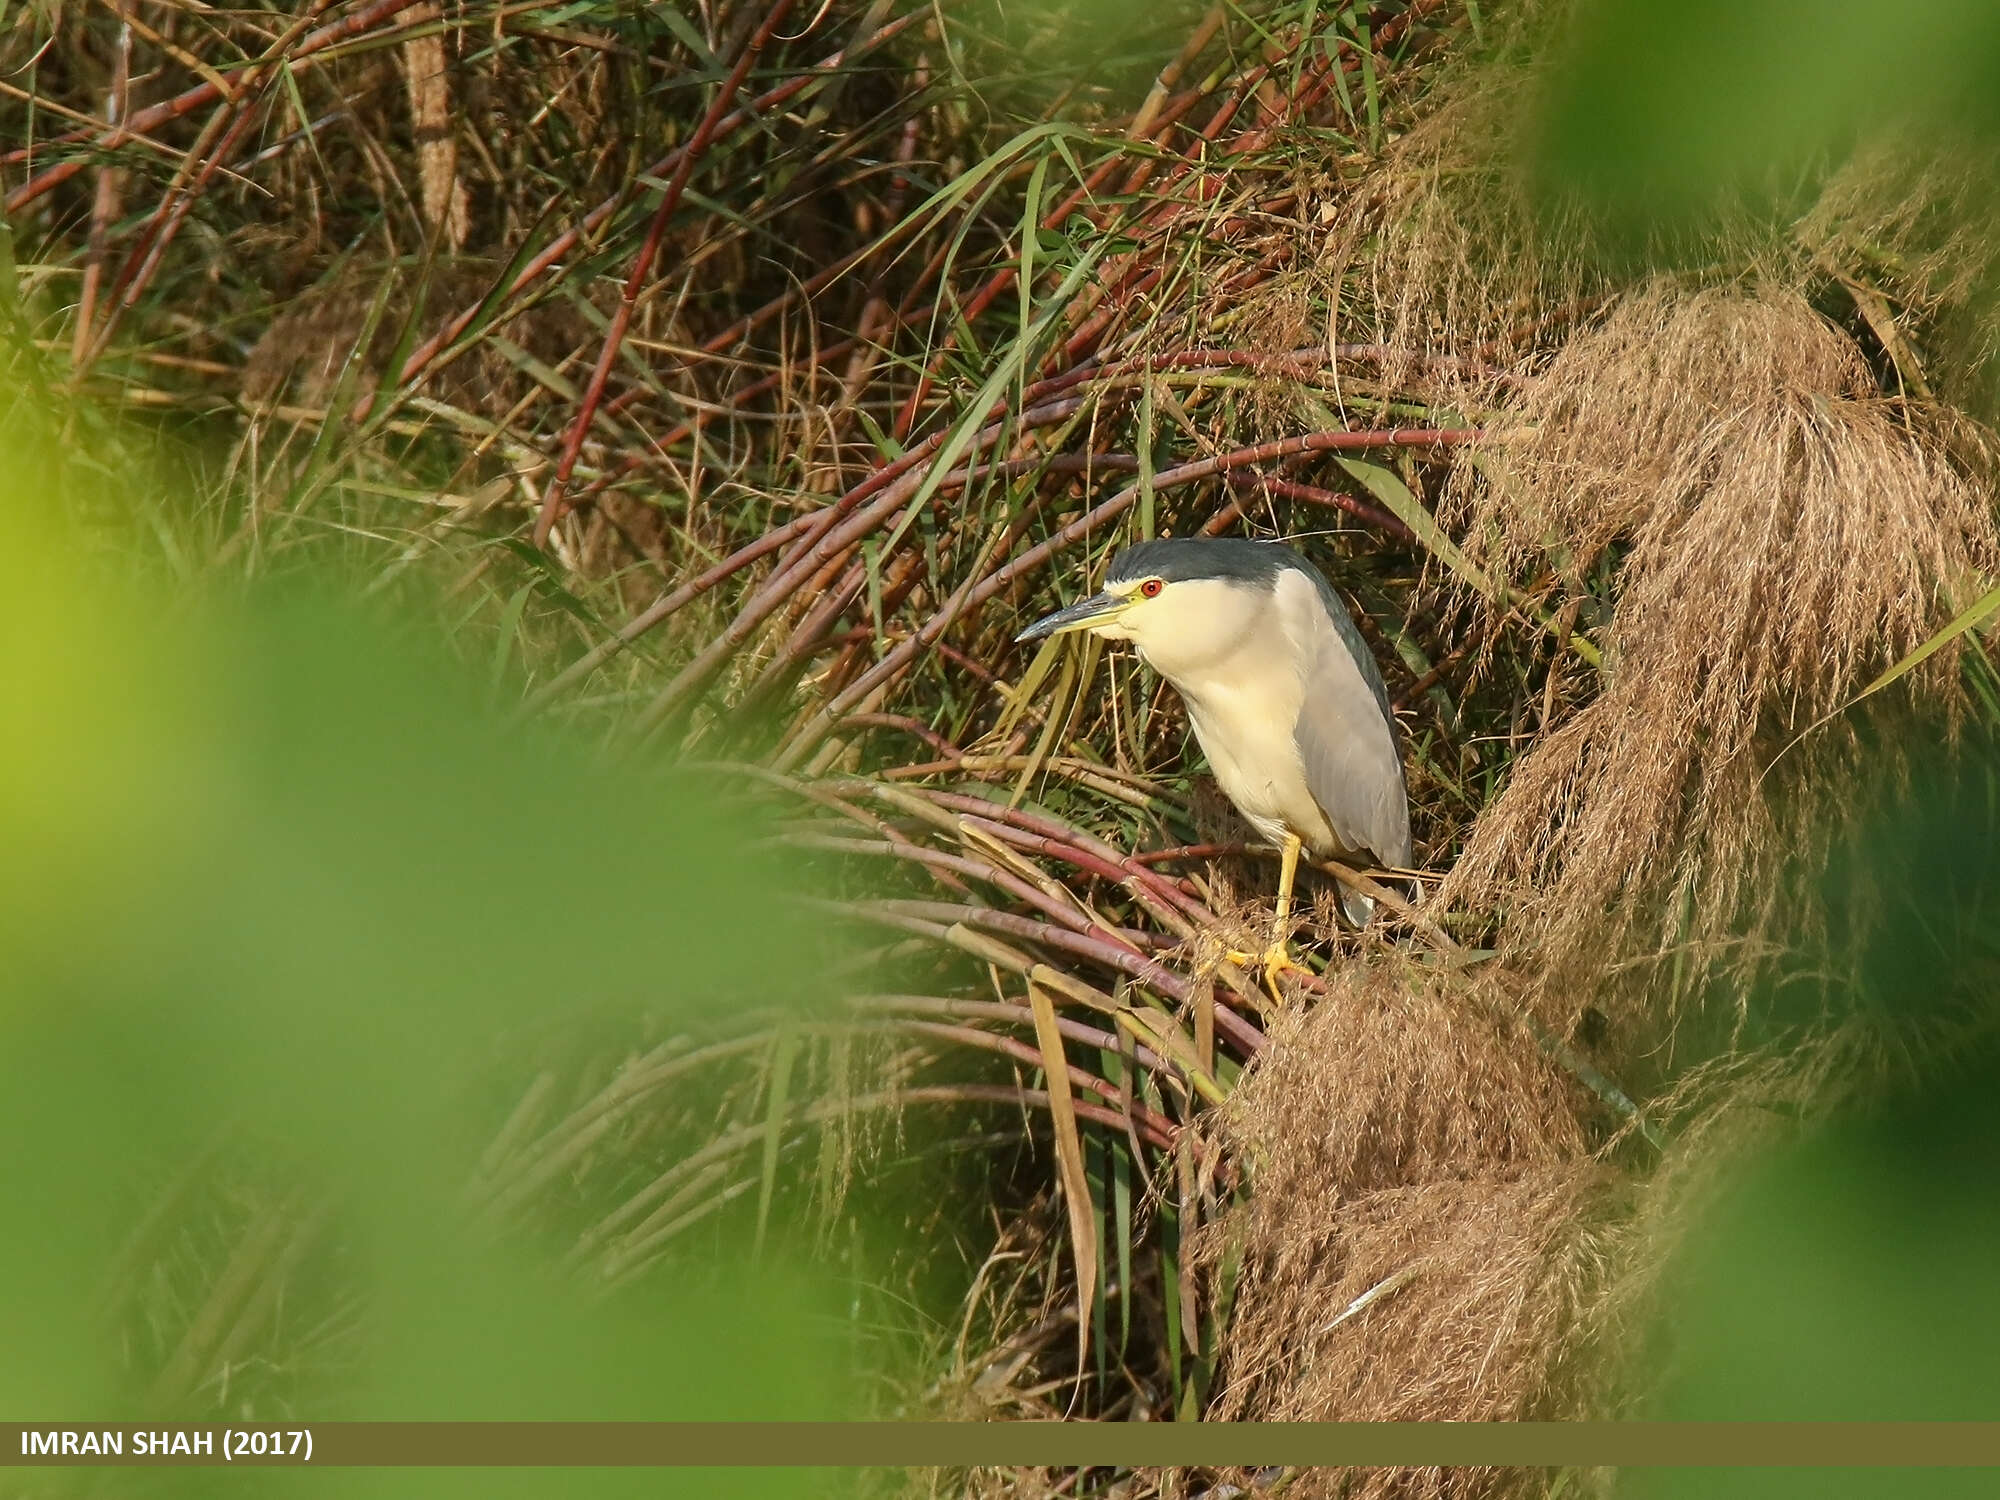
{"points": [[1785, 535], [1441, 247], [424, 71], [1917, 224], [1481, 1281], [1399, 1075], [1412, 1153], [301, 356]]}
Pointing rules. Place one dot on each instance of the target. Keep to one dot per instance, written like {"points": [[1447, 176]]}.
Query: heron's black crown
{"points": [[1182, 559], [1256, 565]]}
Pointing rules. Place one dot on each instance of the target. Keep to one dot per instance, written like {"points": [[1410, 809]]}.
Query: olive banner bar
{"points": [[1002, 1444]]}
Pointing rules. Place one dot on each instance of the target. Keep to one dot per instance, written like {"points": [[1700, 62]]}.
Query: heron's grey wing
{"points": [[1345, 733]]}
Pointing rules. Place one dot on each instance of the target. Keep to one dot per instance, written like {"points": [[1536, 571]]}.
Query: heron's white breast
{"points": [[1227, 655]]}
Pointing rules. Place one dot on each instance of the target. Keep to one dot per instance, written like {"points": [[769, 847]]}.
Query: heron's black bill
{"points": [[1084, 612]]}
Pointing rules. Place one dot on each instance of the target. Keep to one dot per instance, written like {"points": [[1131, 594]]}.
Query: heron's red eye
{"points": [[1151, 588]]}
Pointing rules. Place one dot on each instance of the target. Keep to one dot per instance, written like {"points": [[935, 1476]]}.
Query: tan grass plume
{"points": [[1781, 534], [1414, 1245]]}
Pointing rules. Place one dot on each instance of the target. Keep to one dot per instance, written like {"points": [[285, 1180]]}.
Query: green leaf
{"points": [[785, 1048], [1031, 216], [871, 563], [684, 31], [1387, 486], [1121, 1216], [503, 645], [1963, 621]]}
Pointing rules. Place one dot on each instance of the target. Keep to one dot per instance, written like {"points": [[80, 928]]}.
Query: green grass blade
{"points": [[784, 1050], [1017, 358], [1147, 523], [1031, 220], [503, 643]]}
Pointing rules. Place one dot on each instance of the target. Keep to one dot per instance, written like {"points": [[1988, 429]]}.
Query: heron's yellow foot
{"points": [[1272, 962]]}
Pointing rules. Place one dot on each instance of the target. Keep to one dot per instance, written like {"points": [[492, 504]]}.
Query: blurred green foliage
{"points": [[1850, 1275], [1661, 113], [274, 877], [1026, 55], [1850, 1278]]}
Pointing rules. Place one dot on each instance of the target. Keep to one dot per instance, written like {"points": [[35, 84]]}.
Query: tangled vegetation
{"points": [[731, 382]]}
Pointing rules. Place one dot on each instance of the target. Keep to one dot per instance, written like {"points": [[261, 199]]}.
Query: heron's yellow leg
{"points": [[1277, 956], [1288, 875]]}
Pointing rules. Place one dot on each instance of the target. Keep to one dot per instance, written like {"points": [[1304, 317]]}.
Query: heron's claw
{"points": [[1273, 961], [1277, 960]]}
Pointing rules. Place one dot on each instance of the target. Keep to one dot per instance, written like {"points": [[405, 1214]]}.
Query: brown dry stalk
{"points": [[214, 146], [891, 487], [428, 84], [105, 203], [230, 123]]}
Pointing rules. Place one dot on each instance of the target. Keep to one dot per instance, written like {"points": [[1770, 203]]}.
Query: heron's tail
{"points": [[1360, 910]]}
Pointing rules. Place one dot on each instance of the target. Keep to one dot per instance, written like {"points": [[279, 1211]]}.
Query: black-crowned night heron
{"points": [[1284, 697]]}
